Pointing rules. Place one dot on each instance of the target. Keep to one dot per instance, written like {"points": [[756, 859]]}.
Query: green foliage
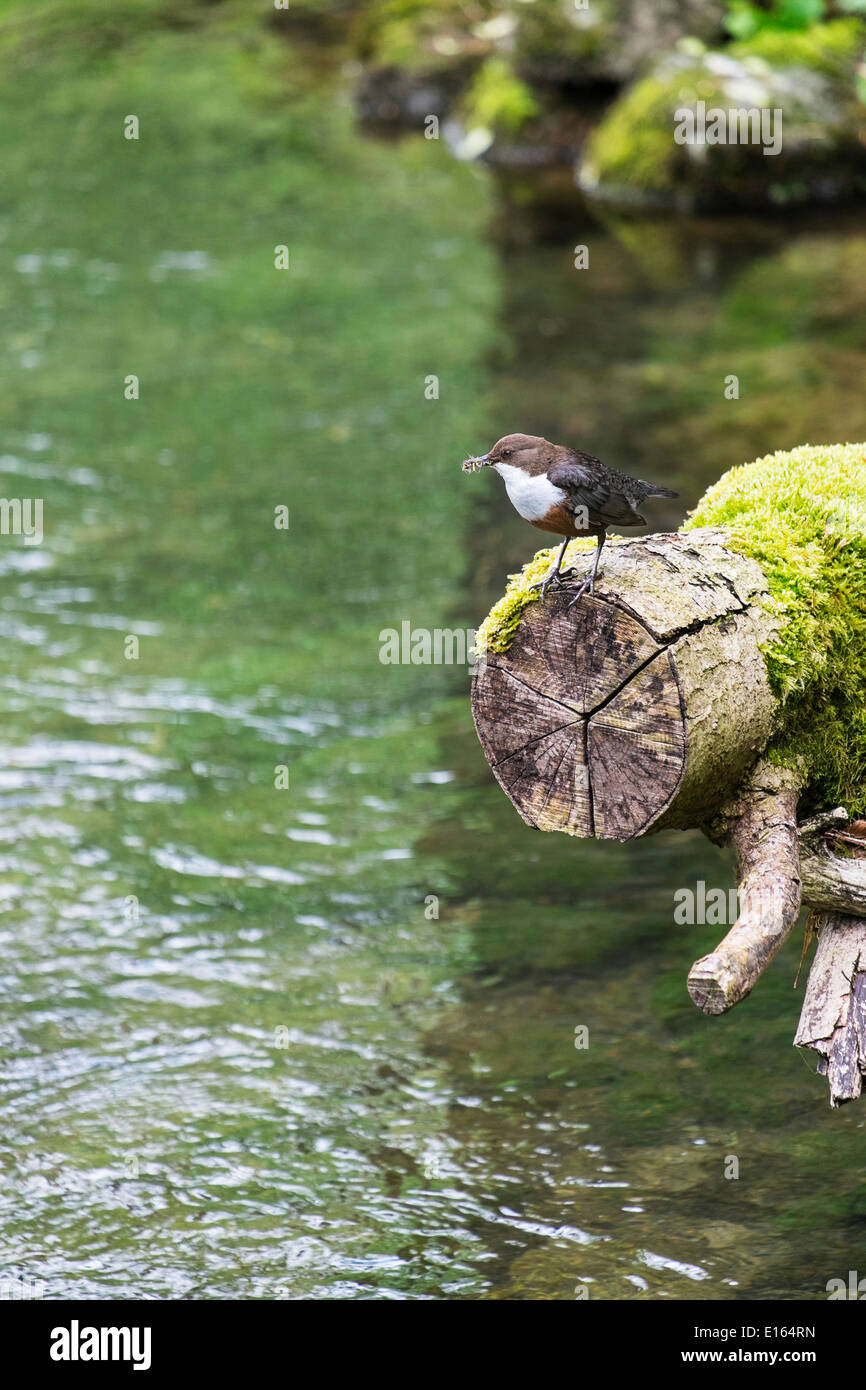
{"points": [[743, 20], [498, 100], [831, 48]]}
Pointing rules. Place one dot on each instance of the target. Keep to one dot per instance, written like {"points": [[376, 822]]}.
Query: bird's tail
{"points": [[653, 490]]}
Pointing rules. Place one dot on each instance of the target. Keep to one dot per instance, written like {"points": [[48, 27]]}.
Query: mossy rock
{"points": [[605, 40], [811, 77], [802, 516], [500, 62]]}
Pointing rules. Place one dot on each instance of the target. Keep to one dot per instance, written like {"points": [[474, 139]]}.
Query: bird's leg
{"points": [[589, 582], [553, 577]]}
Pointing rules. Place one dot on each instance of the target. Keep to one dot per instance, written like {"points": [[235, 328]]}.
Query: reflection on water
{"points": [[318, 1040]]}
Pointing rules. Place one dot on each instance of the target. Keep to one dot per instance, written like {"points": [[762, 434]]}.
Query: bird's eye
{"points": [[506, 453]]}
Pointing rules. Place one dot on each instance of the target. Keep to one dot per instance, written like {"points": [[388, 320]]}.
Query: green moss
{"points": [[497, 631], [498, 99], [634, 142], [802, 516]]}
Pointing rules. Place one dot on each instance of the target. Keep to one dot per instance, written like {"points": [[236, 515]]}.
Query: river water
{"points": [[290, 993]]}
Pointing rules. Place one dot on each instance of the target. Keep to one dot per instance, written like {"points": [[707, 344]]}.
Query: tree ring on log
{"points": [[596, 705]]}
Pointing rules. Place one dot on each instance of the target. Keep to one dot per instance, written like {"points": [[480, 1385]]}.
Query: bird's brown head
{"points": [[527, 451]]}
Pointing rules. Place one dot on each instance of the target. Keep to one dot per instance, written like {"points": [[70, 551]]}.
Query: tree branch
{"points": [[763, 829]]}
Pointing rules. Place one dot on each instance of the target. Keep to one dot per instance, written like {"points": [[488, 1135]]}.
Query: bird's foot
{"points": [[544, 584], [587, 587]]}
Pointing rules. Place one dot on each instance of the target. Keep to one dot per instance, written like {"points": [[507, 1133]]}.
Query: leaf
{"points": [[797, 14], [743, 20]]}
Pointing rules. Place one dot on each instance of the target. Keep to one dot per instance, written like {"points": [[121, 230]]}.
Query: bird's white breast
{"points": [[532, 497]]}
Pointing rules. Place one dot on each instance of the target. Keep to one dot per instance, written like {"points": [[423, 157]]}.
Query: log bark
{"points": [[640, 708], [833, 1018]]}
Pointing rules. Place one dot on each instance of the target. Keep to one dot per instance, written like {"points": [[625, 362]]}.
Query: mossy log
{"points": [[646, 708], [716, 679]]}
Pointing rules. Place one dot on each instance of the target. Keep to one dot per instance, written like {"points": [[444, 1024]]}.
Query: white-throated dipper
{"points": [[567, 492]]}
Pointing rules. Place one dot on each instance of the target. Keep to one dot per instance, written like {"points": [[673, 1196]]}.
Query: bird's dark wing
{"points": [[587, 482]]}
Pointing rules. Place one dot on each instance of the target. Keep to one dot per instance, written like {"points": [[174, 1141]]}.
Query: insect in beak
{"points": [[474, 462]]}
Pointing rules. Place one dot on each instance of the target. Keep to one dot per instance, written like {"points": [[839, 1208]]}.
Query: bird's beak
{"points": [[474, 462]]}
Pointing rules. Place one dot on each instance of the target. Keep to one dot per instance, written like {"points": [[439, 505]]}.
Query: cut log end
{"points": [[714, 986], [581, 721], [643, 704]]}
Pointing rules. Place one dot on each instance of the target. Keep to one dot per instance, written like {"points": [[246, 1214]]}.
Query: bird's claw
{"points": [[544, 584], [553, 577], [588, 586]]}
